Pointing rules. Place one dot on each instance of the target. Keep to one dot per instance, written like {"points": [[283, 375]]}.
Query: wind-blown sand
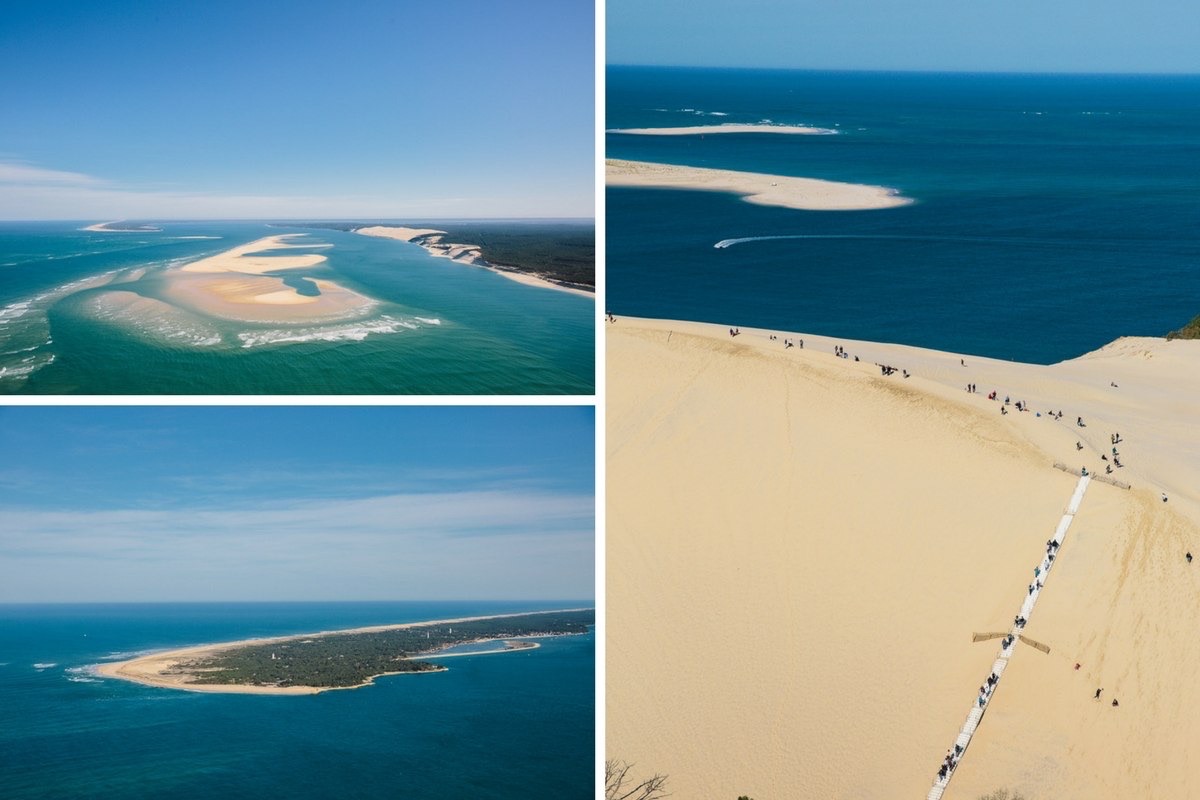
{"points": [[808, 194], [727, 127], [799, 550], [470, 254], [238, 284], [154, 669]]}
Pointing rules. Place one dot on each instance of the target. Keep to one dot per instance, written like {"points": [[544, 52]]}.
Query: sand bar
{"points": [[108, 227], [433, 242], [800, 585], [153, 669], [240, 284], [808, 194], [728, 127]]}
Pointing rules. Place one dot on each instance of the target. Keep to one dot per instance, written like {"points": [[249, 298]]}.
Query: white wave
{"points": [[25, 368], [41, 666], [428, 321], [85, 674], [15, 310], [351, 332]]}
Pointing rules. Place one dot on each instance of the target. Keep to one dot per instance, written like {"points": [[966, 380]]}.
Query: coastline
{"points": [[809, 194], [727, 127], [469, 254], [150, 669], [854, 529]]}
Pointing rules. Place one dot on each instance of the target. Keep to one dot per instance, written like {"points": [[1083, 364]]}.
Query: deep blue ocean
{"points": [[492, 726], [1053, 214], [438, 327]]}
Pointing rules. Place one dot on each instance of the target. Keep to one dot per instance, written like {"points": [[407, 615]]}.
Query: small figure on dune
{"points": [[1115, 703], [1188, 556], [1098, 691]]}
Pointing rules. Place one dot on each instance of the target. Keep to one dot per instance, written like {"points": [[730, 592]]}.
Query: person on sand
{"points": [[1188, 556], [1077, 666], [1115, 703], [1164, 494], [1078, 445], [1098, 691]]}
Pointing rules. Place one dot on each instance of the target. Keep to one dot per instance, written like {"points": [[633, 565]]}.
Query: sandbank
{"points": [[240, 284], [727, 127], [108, 227], [800, 548], [159, 669], [808, 194], [432, 241]]}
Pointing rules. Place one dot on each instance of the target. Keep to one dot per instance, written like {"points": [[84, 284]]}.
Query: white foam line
{"points": [[975, 715]]}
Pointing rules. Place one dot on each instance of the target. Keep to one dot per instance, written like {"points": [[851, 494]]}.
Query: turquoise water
{"points": [[437, 327], [1053, 214], [492, 726]]}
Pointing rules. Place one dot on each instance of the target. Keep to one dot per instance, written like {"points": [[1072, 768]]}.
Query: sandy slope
{"points": [[799, 549]]}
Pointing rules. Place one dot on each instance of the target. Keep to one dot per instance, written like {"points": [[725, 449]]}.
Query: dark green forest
{"points": [[349, 659], [560, 251]]}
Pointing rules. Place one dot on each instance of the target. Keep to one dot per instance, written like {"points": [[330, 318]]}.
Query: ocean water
{"points": [[438, 327], [1053, 214], [492, 726]]}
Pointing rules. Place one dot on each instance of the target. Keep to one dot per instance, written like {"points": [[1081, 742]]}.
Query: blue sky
{"points": [[938, 35], [367, 108], [296, 503]]}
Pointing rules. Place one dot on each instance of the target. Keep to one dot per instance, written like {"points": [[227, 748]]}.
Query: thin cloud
{"points": [[29, 192]]}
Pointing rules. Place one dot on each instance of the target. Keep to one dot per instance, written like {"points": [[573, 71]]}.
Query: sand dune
{"points": [[800, 548], [767, 190]]}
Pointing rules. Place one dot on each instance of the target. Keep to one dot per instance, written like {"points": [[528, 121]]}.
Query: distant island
{"points": [[556, 254], [317, 662], [121, 226]]}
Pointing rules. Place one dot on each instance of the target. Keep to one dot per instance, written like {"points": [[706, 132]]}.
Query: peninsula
{"points": [[318, 662], [809, 194]]}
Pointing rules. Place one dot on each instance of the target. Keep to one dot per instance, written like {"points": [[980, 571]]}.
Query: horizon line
{"points": [[917, 70]]}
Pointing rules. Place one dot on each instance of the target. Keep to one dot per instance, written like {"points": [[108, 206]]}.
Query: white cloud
{"points": [[23, 174], [33, 193], [475, 544]]}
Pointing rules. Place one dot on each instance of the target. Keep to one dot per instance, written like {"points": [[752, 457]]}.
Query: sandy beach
{"points": [[808, 194], [800, 549], [159, 669], [728, 127], [240, 284], [433, 241]]}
